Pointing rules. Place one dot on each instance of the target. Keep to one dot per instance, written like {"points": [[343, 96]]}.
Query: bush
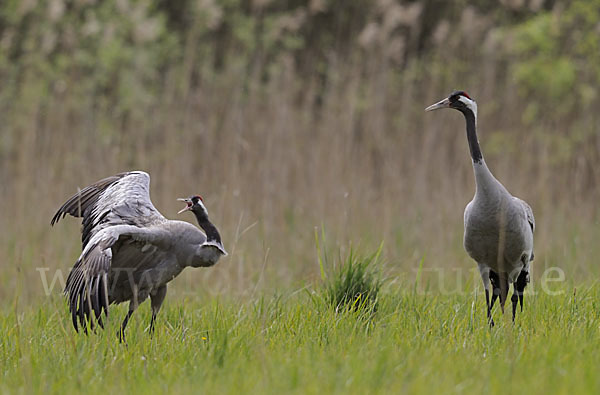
{"points": [[355, 284]]}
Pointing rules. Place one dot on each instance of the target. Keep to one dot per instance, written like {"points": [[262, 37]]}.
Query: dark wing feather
{"points": [[529, 213], [123, 199], [80, 203], [115, 208], [87, 283], [530, 219]]}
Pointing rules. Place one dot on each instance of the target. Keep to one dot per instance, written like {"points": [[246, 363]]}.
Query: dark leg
{"points": [[514, 299], [520, 285], [485, 277], [152, 320], [121, 333], [489, 308], [156, 300], [503, 292], [495, 280], [133, 305], [495, 293], [521, 300]]}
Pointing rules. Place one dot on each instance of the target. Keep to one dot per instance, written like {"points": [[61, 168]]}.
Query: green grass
{"points": [[355, 283], [296, 342]]}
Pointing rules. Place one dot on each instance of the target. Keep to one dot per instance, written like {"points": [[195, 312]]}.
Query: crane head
{"points": [[459, 100], [194, 203]]}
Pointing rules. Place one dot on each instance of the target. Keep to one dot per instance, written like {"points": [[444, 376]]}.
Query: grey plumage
{"points": [[129, 250], [498, 232]]}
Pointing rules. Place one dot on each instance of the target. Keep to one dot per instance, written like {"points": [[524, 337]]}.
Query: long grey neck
{"points": [[472, 136], [485, 182], [212, 234]]}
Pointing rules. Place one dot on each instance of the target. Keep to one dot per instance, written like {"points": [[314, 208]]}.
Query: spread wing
{"points": [[87, 286], [123, 199]]}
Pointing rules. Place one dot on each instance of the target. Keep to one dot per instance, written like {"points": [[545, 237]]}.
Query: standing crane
{"points": [[498, 226], [130, 251]]}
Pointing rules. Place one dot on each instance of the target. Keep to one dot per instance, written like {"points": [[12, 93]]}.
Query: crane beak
{"points": [[188, 207], [441, 104]]}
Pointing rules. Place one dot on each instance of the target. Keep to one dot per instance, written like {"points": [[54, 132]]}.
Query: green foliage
{"points": [[558, 60], [108, 64], [95, 60]]}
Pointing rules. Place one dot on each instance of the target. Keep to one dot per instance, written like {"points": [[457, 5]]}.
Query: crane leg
{"points": [[485, 277], [503, 294], [521, 300], [495, 280], [121, 333], [156, 300], [520, 285], [489, 308], [495, 293], [133, 305], [514, 299]]}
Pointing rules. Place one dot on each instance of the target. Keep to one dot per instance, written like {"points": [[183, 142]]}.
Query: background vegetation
{"points": [[290, 116]]}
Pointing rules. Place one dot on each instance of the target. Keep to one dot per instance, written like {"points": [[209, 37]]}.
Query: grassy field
{"points": [[296, 342]]}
